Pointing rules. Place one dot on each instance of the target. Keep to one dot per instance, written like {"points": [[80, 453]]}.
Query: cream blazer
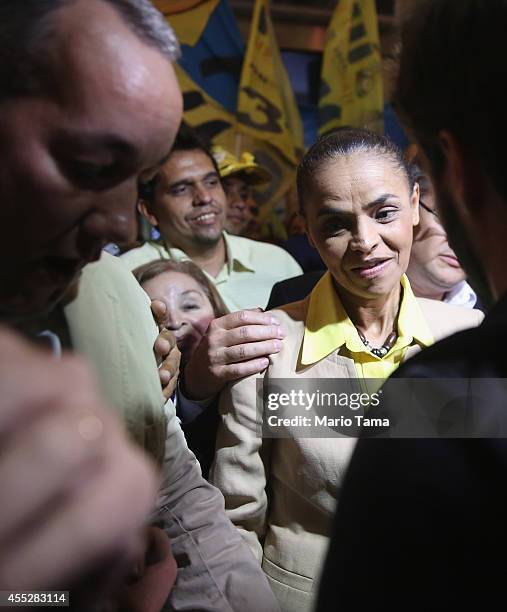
{"points": [[281, 493]]}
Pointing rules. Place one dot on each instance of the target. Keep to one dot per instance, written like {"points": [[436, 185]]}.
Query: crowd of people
{"points": [[135, 467]]}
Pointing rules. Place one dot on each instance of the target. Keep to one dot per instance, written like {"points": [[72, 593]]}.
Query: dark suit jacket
{"points": [[293, 289], [422, 524], [307, 256]]}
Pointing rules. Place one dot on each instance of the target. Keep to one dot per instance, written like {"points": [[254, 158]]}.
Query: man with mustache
{"points": [[427, 529], [187, 204]]}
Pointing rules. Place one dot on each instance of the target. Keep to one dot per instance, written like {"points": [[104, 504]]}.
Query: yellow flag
{"points": [[351, 78], [267, 109], [188, 18]]}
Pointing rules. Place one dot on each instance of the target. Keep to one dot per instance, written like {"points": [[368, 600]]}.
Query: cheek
{"points": [[171, 211], [399, 236], [424, 251], [332, 251]]}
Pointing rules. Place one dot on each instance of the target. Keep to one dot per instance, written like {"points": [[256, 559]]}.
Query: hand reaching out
{"points": [[235, 345]]}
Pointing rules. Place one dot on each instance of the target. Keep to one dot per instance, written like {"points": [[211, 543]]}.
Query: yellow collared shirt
{"points": [[245, 281], [328, 328]]}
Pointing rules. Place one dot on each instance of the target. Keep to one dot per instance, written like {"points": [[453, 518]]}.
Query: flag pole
{"points": [[237, 143]]}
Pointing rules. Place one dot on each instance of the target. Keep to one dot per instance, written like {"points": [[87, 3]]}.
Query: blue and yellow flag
{"points": [[212, 48], [351, 90], [267, 109]]}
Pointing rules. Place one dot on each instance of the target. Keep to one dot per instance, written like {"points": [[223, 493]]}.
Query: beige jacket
{"points": [[281, 493], [110, 323]]}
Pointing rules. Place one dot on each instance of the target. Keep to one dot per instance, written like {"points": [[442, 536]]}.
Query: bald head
{"points": [[28, 30]]}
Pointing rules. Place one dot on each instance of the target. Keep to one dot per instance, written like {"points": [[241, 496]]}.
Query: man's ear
{"points": [[144, 208], [463, 175]]}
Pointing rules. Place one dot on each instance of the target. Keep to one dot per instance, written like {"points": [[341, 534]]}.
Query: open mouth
{"points": [[206, 218], [372, 268]]}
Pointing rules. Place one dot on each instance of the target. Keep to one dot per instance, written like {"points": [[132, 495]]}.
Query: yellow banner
{"points": [[351, 78], [170, 7], [267, 109], [188, 18]]}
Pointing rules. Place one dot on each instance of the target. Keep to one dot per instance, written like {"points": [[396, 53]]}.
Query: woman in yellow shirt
{"points": [[360, 321]]}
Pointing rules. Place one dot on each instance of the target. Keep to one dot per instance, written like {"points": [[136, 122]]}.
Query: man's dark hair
{"points": [[340, 142], [27, 31], [451, 71], [187, 139]]}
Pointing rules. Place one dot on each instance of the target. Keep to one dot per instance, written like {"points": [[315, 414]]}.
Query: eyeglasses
{"points": [[428, 209]]}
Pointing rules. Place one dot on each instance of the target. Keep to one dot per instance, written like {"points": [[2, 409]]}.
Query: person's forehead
{"points": [[182, 165], [359, 175], [239, 181], [108, 75]]}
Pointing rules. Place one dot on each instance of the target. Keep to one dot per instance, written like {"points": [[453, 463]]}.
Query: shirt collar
{"points": [[237, 255], [328, 327], [461, 295]]}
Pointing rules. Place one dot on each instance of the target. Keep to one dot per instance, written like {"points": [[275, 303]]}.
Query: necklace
{"points": [[384, 349]]}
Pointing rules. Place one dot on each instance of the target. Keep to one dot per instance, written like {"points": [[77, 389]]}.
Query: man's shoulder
{"points": [[108, 273], [256, 249], [109, 279], [141, 255]]}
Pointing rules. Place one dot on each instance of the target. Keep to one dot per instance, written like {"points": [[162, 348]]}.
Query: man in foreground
{"points": [[75, 493], [77, 136]]}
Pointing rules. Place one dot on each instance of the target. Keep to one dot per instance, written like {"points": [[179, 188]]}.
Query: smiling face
{"points": [[360, 215], [71, 159], [189, 203], [434, 268], [239, 204], [189, 311]]}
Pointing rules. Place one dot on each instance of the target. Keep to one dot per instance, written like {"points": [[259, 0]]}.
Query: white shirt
{"points": [[461, 295]]}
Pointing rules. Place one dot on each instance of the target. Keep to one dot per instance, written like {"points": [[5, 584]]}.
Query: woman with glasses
{"points": [[360, 322]]}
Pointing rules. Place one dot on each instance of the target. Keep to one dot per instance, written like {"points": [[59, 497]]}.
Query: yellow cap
{"points": [[228, 164]]}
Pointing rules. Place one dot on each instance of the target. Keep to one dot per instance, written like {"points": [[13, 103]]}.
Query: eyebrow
{"points": [[329, 210], [192, 291], [189, 181]]}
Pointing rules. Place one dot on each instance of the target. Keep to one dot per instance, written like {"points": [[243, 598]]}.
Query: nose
{"points": [[237, 203], [174, 321], [365, 237], [202, 194], [113, 218]]}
